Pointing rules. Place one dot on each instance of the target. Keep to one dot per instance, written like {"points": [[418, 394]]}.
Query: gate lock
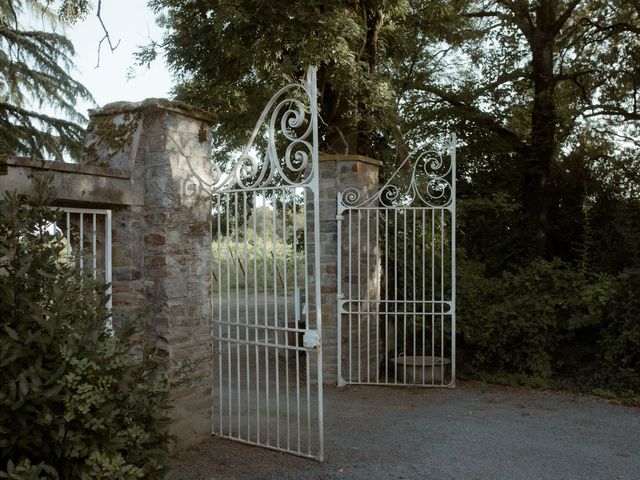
{"points": [[311, 339]]}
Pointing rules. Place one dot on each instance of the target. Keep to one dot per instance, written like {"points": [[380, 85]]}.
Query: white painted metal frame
{"points": [[397, 277], [87, 234], [267, 349]]}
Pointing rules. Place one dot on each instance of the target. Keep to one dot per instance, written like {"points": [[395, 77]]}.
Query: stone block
{"points": [[154, 239]]}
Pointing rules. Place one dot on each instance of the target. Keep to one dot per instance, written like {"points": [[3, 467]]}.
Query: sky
{"points": [[131, 23]]}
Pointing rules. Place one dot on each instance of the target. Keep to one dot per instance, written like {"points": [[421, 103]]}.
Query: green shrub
{"points": [[517, 323], [617, 365], [75, 400]]}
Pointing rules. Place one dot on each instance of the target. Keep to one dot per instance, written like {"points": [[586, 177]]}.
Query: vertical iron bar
{"points": [[220, 317], [247, 282], [368, 286], [81, 246], [359, 303], [395, 295], [414, 293], [286, 325], [350, 302], [433, 295], [107, 264], [228, 319], [93, 245], [453, 259], [274, 216], [404, 295], [256, 316], [237, 269], [442, 280], [423, 245], [339, 294], [377, 287], [315, 183], [296, 289], [266, 318], [386, 295], [316, 251], [68, 236]]}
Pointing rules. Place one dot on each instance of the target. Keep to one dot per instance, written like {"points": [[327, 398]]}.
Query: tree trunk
{"points": [[344, 134], [543, 129]]}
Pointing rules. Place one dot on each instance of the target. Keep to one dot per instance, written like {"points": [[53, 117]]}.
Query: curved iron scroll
{"points": [[432, 183], [290, 120]]}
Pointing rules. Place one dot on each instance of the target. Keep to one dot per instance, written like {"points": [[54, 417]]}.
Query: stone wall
{"points": [[337, 173], [162, 248], [149, 163]]}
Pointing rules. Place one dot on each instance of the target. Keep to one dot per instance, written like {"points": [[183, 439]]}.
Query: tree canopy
{"points": [[34, 75], [543, 94], [230, 56], [539, 89]]}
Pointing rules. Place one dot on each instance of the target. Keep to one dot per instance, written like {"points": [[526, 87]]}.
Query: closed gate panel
{"points": [[396, 270]]}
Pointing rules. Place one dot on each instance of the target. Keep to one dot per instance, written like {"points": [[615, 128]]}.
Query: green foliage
{"points": [[256, 52], [517, 322], [34, 73], [619, 347], [76, 401], [550, 321]]}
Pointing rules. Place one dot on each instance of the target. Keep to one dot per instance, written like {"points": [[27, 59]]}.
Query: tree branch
{"points": [[520, 10], [609, 111], [573, 75], [481, 119], [621, 136], [13, 12], [106, 36], [564, 16]]}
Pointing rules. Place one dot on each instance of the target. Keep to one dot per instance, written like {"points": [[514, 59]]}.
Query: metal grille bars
{"points": [[396, 271], [268, 378], [87, 236]]}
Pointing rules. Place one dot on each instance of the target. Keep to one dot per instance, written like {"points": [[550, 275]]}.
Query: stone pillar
{"points": [[162, 244], [337, 173]]}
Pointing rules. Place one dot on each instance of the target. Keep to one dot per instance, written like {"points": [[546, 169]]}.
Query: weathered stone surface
{"points": [[149, 163], [79, 185], [336, 174]]}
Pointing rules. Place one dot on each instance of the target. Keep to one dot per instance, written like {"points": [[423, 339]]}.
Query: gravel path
{"points": [[473, 432]]}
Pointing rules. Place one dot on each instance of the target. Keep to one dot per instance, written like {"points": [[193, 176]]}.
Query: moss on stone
{"points": [[110, 138]]}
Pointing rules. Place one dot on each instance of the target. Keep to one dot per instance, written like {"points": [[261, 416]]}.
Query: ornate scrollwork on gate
{"points": [[431, 184], [286, 127]]}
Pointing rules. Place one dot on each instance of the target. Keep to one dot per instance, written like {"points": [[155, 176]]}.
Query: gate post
{"points": [[336, 173], [162, 242]]}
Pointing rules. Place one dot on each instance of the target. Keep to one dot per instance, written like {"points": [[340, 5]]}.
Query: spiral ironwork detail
{"points": [[287, 126], [431, 184]]}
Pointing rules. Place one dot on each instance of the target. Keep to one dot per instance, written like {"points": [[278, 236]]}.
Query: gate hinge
{"points": [[311, 339], [339, 216]]}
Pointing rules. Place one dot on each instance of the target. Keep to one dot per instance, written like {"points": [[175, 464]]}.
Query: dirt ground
{"points": [[473, 432]]}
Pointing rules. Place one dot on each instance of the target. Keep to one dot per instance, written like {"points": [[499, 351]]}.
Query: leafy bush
{"points": [[618, 362], [75, 400], [517, 323]]}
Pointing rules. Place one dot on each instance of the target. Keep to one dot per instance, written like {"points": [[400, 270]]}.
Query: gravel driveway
{"points": [[473, 432]]}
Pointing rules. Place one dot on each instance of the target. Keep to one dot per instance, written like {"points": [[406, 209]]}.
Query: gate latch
{"points": [[311, 339]]}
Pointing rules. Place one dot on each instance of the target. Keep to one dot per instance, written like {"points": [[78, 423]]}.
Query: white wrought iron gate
{"points": [[266, 298], [396, 277]]}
